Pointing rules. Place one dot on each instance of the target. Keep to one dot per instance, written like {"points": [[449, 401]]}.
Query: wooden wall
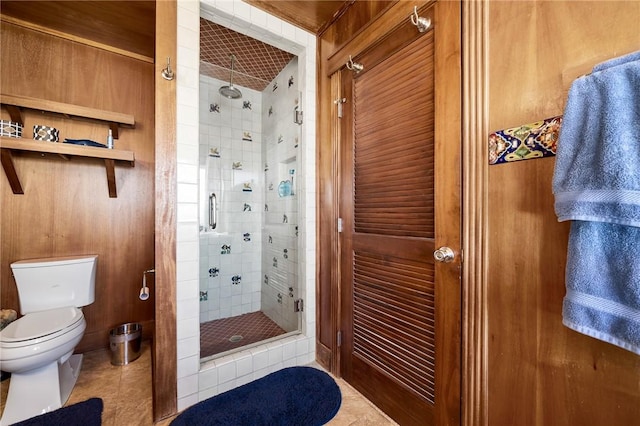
{"points": [[66, 209], [540, 372]]}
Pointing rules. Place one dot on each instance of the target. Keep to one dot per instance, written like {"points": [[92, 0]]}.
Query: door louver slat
{"points": [[394, 319], [394, 148]]}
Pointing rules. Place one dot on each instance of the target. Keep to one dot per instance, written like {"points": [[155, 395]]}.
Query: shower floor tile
{"points": [[230, 333]]}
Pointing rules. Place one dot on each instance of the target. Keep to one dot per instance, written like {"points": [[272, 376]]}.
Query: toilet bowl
{"points": [[40, 338], [37, 349]]}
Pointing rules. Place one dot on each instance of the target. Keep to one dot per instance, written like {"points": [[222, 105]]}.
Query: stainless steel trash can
{"points": [[125, 341]]}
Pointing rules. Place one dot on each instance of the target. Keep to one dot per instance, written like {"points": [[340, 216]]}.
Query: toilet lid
{"points": [[41, 324]]}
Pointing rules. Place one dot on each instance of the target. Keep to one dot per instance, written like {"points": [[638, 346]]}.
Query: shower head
{"points": [[230, 91]]}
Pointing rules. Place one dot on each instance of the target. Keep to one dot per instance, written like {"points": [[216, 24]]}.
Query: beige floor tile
{"points": [[357, 411], [127, 396]]}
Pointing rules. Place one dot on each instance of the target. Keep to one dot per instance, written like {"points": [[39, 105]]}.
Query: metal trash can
{"points": [[125, 341]]}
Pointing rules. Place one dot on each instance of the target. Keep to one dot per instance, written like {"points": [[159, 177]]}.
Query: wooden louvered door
{"points": [[400, 201]]}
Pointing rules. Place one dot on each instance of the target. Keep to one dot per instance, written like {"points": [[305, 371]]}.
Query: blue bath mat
{"points": [[85, 413], [293, 396]]}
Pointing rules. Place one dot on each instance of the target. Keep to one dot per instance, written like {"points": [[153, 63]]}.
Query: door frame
{"points": [[164, 355], [475, 226]]}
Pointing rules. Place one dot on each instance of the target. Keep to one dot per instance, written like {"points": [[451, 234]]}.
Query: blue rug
{"points": [[293, 396], [85, 413]]}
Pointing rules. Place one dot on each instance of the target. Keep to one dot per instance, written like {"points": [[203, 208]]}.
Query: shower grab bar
{"points": [[213, 219]]}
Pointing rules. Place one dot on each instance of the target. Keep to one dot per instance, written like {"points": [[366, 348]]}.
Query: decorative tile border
{"points": [[533, 140]]}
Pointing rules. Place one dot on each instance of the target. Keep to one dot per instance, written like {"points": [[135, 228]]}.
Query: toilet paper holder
{"points": [[144, 291]]}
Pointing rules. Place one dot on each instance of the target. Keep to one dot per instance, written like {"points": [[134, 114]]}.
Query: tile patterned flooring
{"points": [[126, 393], [222, 335]]}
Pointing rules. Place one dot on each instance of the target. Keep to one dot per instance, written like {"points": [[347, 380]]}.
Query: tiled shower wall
{"points": [[231, 169], [282, 144], [197, 382], [248, 160]]}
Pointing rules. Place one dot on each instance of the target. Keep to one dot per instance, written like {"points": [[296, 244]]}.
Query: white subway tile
{"points": [[260, 357], [208, 393], [187, 212], [189, 327], [189, 347], [186, 290], [187, 193], [244, 363], [187, 173], [188, 385], [208, 378], [227, 386], [275, 353], [188, 366], [186, 401], [226, 369], [188, 306]]}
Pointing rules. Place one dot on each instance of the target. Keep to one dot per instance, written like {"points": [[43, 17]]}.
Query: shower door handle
{"points": [[213, 219]]}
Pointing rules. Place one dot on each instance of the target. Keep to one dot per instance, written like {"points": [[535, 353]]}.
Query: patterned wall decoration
{"points": [[281, 156], [232, 168], [246, 146], [533, 140]]}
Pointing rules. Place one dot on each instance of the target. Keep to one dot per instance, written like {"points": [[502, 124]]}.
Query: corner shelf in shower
{"points": [[115, 120]]}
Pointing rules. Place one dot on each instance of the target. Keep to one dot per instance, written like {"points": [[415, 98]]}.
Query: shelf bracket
{"points": [[114, 129], [109, 165], [10, 171], [15, 113]]}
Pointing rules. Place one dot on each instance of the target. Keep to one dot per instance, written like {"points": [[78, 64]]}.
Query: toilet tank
{"points": [[55, 282]]}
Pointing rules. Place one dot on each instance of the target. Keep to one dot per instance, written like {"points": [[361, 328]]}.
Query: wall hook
{"points": [[354, 66], [423, 24], [168, 73]]}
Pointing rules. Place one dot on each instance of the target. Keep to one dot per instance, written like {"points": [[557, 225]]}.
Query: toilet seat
{"points": [[39, 327]]}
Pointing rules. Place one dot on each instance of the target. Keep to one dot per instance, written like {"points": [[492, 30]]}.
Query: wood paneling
{"points": [[475, 113], [358, 16], [164, 344], [540, 372], [313, 16], [124, 25], [65, 209]]}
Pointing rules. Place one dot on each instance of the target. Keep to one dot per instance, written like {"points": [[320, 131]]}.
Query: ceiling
{"points": [[130, 26], [311, 15], [256, 63], [127, 25]]}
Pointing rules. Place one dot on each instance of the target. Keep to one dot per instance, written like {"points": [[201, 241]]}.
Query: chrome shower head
{"points": [[230, 91]]}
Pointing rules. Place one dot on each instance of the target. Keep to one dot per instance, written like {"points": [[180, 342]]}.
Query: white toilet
{"points": [[37, 348]]}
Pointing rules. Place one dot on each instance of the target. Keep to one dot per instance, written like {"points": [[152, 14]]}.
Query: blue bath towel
{"points": [[597, 172], [596, 184], [603, 283]]}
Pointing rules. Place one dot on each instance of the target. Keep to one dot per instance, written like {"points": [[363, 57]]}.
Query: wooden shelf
{"points": [[14, 105], [110, 156]]}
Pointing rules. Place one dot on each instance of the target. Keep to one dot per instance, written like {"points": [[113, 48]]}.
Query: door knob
{"points": [[444, 254]]}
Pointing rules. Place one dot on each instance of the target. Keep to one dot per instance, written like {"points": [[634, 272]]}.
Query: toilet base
{"points": [[54, 385]]}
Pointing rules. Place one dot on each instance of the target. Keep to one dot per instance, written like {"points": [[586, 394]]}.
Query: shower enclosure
{"points": [[248, 212]]}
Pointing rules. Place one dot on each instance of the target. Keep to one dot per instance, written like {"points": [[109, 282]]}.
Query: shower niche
{"points": [[248, 210]]}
